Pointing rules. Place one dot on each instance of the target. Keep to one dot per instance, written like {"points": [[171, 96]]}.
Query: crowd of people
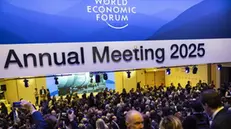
{"points": [[173, 107]]}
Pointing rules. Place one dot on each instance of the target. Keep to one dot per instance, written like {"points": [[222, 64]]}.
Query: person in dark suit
{"points": [[188, 87], [138, 85], [36, 97], [228, 95], [221, 116], [43, 93], [4, 109], [48, 95], [198, 119]]}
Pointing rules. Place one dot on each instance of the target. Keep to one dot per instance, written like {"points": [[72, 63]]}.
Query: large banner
{"points": [[40, 37], [79, 83]]}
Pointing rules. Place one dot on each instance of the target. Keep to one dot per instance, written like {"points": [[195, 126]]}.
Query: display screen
{"points": [[79, 83]]}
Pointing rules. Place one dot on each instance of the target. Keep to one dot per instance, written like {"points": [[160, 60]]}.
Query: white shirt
{"points": [[227, 94], [16, 118], [43, 92]]}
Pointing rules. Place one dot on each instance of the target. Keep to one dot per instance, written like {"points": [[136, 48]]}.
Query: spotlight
{"points": [[97, 78], [168, 71], [128, 74], [56, 80], [26, 84], [187, 69], [195, 69], [219, 67], [105, 77]]}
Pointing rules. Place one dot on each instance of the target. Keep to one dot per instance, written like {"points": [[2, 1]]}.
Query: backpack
{"points": [[202, 121]]}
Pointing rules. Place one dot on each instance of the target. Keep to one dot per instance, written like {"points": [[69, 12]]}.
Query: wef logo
{"points": [[115, 13]]}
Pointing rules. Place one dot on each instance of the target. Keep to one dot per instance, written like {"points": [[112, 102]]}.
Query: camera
{"points": [[63, 116], [17, 104]]}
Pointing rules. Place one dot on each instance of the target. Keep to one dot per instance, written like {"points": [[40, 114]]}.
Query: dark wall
{"points": [[226, 75]]}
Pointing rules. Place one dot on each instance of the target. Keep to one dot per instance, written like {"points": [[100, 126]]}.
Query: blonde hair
{"points": [[170, 122]]}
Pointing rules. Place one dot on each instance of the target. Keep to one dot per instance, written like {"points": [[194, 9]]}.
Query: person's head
{"points": [[170, 122], [211, 100], [124, 90], [51, 121], [3, 105], [197, 106], [178, 115], [99, 113], [91, 95], [35, 89], [100, 124], [212, 82], [84, 121], [42, 87], [53, 112], [147, 107], [81, 126], [134, 120], [114, 118], [147, 113], [200, 81]]}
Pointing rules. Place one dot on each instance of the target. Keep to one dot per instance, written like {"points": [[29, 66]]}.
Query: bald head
{"points": [[134, 120], [131, 114]]}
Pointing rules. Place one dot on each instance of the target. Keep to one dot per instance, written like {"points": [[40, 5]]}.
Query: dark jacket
{"points": [[4, 110], [45, 91], [40, 123], [196, 121], [222, 120], [74, 125]]}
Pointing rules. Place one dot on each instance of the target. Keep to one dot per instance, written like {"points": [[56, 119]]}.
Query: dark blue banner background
{"points": [[48, 21]]}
